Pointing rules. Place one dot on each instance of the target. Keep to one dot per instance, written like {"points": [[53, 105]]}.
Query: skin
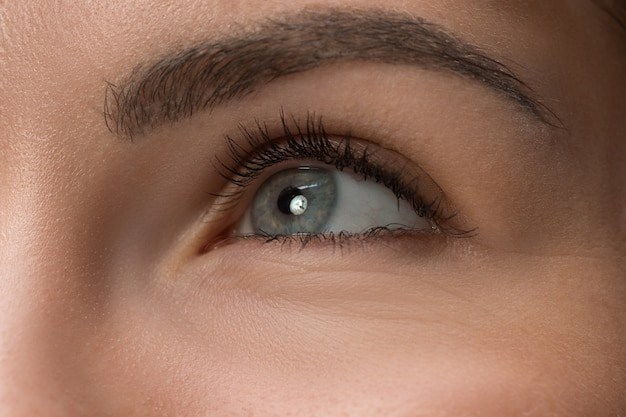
{"points": [[109, 307]]}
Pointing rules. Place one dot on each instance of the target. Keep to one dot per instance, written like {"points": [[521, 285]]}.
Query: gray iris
{"points": [[271, 212]]}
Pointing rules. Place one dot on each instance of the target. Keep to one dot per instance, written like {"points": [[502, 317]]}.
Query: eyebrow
{"points": [[206, 75]]}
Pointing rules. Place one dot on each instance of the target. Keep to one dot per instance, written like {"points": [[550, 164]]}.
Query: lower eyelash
{"points": [[260, 151], [340, 241]]}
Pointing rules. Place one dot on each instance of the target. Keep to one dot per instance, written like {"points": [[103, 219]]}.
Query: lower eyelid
{"points": [[403, 243]]}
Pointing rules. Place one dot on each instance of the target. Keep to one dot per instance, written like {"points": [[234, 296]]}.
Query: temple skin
{"points": [[123, 291]]}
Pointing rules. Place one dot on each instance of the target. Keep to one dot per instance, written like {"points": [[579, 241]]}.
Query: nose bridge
{"points": [[29, 384], [44, 320], [31, 339]]}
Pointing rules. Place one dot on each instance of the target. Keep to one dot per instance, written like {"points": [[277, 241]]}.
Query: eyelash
{"points": [[260, 152]]}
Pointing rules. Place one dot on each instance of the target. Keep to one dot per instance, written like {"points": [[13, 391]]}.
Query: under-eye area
{"points": [[308, 185]]}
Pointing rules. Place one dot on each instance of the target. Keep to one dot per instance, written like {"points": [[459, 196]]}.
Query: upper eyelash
{"points": [[312, 143], [261, 151]]}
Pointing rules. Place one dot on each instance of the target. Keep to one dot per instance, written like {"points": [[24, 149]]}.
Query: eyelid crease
{"points": [[257, 151]]}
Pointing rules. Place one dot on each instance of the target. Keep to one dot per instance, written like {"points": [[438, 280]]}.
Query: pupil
{"points": [[285, 197], [294, 201]]}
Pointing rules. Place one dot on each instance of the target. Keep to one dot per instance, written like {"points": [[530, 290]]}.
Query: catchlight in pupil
{"points": [[292, 201]]}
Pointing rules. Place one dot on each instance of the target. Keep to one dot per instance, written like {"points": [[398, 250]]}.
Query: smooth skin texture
{"points": [[111, 306]]}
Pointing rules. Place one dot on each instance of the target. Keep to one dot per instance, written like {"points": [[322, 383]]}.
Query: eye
{"points": [[308, 183], [322, 200]]}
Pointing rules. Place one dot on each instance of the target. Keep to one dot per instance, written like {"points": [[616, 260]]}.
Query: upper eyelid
{"points": [[212, 73]]}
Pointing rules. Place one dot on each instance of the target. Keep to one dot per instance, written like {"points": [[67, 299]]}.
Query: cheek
{"points": [[230, 342]]}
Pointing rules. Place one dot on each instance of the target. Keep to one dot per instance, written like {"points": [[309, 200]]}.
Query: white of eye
{"points": [[363, 205]]}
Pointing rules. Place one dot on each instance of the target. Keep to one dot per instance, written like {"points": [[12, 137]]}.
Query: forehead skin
{"points": [[79, 46], [552, 344]]}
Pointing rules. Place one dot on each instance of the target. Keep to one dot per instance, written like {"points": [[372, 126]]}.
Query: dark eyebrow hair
{"points": [[201, 77]]}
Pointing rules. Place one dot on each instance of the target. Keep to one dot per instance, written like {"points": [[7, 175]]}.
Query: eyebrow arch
{"points": [[206, 75]]}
